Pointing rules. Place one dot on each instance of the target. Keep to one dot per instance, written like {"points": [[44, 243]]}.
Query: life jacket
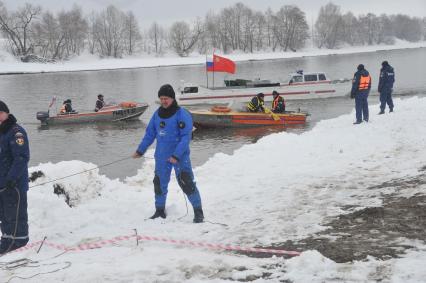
{"points": [[254, 107], [364, 82], [276, 101]]}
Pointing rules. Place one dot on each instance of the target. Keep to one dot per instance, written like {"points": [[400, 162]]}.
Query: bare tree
{"points": [[17, 27], [407, 28], [156, 35], [48, 36], [132, 33], [290, 28], [329, 26], [74, 28], [182, 39]]}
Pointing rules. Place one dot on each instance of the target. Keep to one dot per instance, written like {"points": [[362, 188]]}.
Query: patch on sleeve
{"points": [[181, 125], [20, 141], [18, 134]]}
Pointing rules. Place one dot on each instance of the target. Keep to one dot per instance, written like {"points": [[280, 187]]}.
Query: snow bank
{"points": [[87, 62], [282, 188]]}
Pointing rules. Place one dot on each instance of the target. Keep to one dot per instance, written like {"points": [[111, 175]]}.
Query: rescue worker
{"points": [[386, 80], [100, 103], [256, 104], [14, 156], [66, 107], [171, 126], [361, 85], [278, 103]]}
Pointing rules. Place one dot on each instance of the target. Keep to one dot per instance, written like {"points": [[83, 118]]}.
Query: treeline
{"points": [[115, 33]]}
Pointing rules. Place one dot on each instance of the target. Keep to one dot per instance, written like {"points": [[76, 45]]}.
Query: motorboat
{"points": [[111, 113], [300, 85]]}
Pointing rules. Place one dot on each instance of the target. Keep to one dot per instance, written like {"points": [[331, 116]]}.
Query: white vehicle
{"points": [[299, 86]]}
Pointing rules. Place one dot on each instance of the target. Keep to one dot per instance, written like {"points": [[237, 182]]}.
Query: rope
{"points": [[87, 170]]}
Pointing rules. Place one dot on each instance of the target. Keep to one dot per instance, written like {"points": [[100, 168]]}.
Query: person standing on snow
{"points": [[361, 85], [14, 156], [171, 126], [386, 80]]}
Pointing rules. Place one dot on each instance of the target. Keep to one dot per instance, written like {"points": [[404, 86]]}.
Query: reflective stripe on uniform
{"points": [[14, 238]]}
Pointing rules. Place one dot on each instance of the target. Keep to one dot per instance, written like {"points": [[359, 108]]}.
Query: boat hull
{"points": [[209, 119], [225, 95], [109, 114]]}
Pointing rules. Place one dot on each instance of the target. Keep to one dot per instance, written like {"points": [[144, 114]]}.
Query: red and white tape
{"points": [[115, 240]]}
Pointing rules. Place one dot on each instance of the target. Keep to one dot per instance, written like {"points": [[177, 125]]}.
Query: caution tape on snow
{"points": [[115, 240]]}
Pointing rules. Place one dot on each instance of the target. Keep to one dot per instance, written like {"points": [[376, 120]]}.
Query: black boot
{"points": [[381, 112], [198, 215], [159, 212]]}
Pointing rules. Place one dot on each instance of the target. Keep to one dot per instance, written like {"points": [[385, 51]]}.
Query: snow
{"points": [[88, 62], [284, 187]]}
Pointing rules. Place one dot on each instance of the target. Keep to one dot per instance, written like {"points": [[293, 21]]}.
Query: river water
{"points": [[101, 144]]}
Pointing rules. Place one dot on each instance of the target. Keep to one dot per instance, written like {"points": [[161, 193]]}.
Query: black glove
{"points": [[11, 184]]}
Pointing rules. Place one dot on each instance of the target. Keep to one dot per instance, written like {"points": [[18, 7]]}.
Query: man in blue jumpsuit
{"points": [[361, 85], [171, 126], [386, 80], [14, 157]]}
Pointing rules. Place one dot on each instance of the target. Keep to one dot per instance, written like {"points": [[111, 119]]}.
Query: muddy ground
{"points": [[372, 231]]}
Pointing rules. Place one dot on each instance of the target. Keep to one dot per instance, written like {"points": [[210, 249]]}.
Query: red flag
{"points": [[221, 64]]}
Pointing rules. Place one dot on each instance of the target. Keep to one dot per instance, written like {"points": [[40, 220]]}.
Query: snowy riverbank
{"points": [[286, 187], [87, 62]]}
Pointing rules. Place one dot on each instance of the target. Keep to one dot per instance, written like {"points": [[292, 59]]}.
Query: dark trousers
{"points": [[14, 219], [386, 97], [361, 107]]}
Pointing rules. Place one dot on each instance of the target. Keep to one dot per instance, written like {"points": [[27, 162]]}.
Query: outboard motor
{"points": [[43, 116]]}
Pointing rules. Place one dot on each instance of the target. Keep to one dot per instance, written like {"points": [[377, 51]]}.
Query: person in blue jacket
{"points": [[386, 80], [14, 156], [171, 126], [361, 85]]}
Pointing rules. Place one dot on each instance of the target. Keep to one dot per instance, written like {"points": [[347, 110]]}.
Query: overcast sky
{"points": [[167, 11]]}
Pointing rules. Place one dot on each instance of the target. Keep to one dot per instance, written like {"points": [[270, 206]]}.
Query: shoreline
{"points": [[130, 63]]}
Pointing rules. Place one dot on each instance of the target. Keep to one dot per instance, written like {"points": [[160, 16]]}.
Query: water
{"points": [[100, 144]]}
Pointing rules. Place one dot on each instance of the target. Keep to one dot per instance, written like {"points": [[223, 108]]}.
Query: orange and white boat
{"points": [[111, 113]]}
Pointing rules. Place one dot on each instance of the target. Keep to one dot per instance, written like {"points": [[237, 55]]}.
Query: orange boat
{"points": [[225, 117]]}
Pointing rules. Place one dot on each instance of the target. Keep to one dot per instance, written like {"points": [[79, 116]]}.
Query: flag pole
{"points": [[207, 73], [213, 68]]}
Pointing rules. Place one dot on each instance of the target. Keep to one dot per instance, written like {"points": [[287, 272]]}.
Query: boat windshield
{"points": [[296, 79], [190, 89]]}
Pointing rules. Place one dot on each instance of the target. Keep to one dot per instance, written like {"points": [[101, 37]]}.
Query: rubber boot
{"points": [[198, 215], [159, 212]]}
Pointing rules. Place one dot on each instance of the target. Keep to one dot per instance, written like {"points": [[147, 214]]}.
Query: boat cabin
{"points": [[299, 77]]}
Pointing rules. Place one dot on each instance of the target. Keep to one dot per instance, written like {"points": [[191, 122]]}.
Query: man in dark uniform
{"points": [[100, 103], [386, 80], [14, 156], [278, 103], [257, 103], [361, 85], [171, 126]]}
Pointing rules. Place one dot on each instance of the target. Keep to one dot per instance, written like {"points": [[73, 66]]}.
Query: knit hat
{"points": [[100, 96], [260, 95], [166, 90], [360, 67], [3, 107], [275, 93], [385, 63]]}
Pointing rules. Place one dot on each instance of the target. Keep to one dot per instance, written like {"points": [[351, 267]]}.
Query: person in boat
{"points": [[386, 80], [278, 103], [257, 103], [66, 107], [100, 103], [171, 126], [361, 85], [14, 156]]}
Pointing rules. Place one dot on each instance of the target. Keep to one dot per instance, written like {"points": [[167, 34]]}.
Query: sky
{"points": [[167, 11]]}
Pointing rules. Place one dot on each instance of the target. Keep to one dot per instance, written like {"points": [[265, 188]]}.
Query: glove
{"points": [[11, 184], [352, 95]]}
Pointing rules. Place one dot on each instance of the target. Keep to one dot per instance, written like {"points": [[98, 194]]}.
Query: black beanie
{"points": [[360, 67], [385, 63], [3, 107], [166, 90], [260, 95]]}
